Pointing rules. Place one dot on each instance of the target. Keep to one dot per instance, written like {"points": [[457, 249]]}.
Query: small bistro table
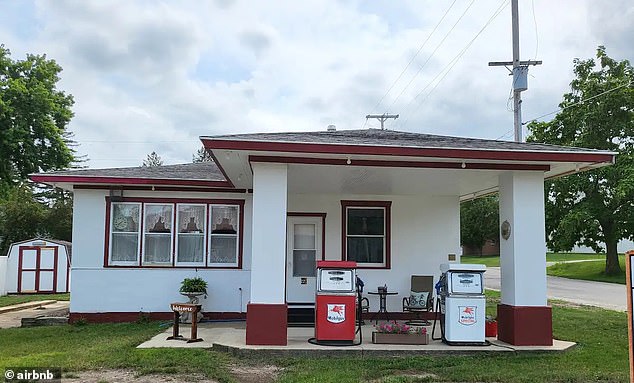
{"points": [[382, 305]]}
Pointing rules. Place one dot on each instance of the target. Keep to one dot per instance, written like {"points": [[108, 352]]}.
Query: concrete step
{"points": [[23, 306]]}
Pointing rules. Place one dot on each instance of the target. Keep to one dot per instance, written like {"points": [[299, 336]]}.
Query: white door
{"points": [[303, 249], [27, 269], [47, 269]]}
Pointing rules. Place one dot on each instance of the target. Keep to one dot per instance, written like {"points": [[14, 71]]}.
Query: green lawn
{"points": [[601, 355], [95, 346], [589, 271], [494, 260], [489, 260], [9, 300]]}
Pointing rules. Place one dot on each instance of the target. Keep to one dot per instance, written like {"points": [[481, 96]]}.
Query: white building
{"points": [[36, 265], [253, 223]]}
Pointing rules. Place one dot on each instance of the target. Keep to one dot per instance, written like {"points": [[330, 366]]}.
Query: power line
{"points": [[455, 60], [414, 57], [569, 106], [579, 102], [536, 34], [432, 54]]}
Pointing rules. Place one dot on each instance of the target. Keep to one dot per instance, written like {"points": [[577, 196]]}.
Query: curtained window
{"points": [[194, 233], [223, 238], [124, 233], [157, 235], [190, 249]]}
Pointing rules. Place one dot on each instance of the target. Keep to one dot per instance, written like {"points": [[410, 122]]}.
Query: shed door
{"points": [[303, 248], [37, 269], [47, 270]]}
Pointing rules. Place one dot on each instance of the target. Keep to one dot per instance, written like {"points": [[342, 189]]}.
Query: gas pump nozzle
{"points": [[360, 284]]}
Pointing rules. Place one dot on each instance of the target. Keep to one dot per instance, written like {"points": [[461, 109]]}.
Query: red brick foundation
{"points": [[525, 325], [266, 324]]}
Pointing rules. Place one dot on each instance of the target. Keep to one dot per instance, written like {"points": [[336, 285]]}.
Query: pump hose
{"points": [[437, 317]]}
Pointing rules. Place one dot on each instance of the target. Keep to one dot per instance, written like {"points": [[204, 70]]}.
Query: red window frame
{"points": [[175, 202], [386, 205]]}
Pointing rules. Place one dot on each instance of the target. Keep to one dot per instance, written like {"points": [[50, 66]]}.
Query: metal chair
{"points": [[420, 284]]}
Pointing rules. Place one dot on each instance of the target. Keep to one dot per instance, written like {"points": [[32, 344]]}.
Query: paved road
{"points": [[607, 295]]}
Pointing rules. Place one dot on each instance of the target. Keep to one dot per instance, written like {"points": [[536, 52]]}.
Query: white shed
{"points": [[36, 265]]}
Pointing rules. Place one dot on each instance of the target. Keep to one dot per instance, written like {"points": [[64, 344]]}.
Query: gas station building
{"points": [[254, 222]]}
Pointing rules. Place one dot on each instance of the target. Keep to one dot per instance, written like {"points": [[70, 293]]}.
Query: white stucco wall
{"points": [[425, 229], [98, 289]]}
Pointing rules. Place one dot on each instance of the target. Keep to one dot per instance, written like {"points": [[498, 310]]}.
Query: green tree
{"points": [[58, 222], [479, 222], [21, 217], [153, 159], [34, 118], [594, 207], [202, 155]]}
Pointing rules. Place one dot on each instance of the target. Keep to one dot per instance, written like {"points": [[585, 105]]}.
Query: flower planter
{"points": [[386, 338], [491, 329]]}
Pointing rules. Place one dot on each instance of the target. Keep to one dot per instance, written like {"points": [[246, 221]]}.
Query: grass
{"points": [[589, 271], [494, 260], [9, 300], [96, 346], [601, 354], [488, 260]]}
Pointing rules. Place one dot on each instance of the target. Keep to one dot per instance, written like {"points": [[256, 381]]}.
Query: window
{"points": [[173, 233], [124, 233], [366, 233], [190, 248], [223, 240], [157, 236]]}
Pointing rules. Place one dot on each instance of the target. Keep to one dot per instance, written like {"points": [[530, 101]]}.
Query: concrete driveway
{"points": [[606, 295], [14, 318]]}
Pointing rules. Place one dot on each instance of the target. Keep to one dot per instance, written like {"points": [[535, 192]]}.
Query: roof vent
{"points": [[331, 128]]}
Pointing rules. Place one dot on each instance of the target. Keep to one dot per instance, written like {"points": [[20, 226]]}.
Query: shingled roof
{"points": [[202, 171], [378, 137]]}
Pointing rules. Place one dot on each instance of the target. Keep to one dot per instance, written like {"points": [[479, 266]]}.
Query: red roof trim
{"points": [[51, 178], [480, 154], [222, 170], [165, 188], [398, 164]]}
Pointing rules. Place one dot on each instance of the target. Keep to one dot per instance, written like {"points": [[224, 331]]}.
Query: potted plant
{"points": [[398, 333], [193, 288], [491, 327]]}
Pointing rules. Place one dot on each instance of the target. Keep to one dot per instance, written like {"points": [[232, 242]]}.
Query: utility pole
{"points": [[519, 72], [382, 117]]}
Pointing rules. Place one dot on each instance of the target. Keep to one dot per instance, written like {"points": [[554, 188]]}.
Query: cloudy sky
{"points": [[156, 75]]}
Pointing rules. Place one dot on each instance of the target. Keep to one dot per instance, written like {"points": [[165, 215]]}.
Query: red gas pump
{"points": [[335, 302]]}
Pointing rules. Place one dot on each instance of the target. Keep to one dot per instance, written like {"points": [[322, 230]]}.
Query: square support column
{"points": [[267, 310], [524, 317]]}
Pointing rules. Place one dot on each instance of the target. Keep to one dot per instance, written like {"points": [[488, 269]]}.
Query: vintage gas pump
{"points": [[335, 302], [462, 304]]}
